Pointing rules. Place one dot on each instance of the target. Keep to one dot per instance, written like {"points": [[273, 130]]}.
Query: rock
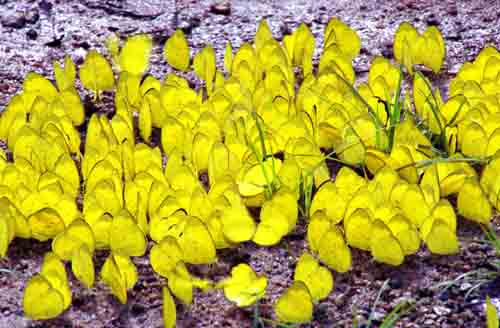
{"points": [[285, 29], [432, 20], [14, 20], [387, 51], [488, 19], [396, 282], [400, 6], [32, 34], [378, 315], [78, 302], [189, 24], [492, 288], [4, 87], [441, 310], [55, 43], [84, 45], [453, 10], [425, 292], [321, 19], [454, 37], [429, 323], [454, 307], [32, 16], [137, 309], [221, 8], [46, 7], [321, 313], [465, 286], [79, 56], [411, 5], [444, 296]]}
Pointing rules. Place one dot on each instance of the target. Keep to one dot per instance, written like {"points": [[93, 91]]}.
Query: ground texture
{"points": [[34, 33]]}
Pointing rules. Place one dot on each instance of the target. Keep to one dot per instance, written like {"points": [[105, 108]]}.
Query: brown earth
{"points": [[34, 33]]}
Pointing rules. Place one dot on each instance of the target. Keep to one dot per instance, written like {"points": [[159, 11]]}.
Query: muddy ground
{"points": [[34, 33]]}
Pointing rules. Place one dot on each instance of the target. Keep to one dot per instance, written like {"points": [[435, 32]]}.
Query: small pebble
{"points": [[137, 309], [396, 282], [32, 34], [221, 8], [432, 20], [441, 310], [84, 45], [46, 6], [444, 296], [387, 51], [425, 292], [465, 286], [453, 11], [56, 43], [454, 37], [188, 25], [32, 16], [14, 20]]}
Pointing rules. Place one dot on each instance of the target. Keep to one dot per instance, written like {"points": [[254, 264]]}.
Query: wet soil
{"points": [[34, 33]]}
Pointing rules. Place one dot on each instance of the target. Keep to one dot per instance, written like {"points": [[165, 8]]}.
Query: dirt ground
{"points": [[33, 33]]}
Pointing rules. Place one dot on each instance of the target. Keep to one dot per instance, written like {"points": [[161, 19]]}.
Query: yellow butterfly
{"points": [[65, 77], [120, 274], [122, 225], [340, 34], [82, 266], [278, 217], [134, 56], [204, 67], [258, 177], [237, 224], [47, 294], [7, 225], [439, 229], [490, 181], [412, 48], [328, 241], [472, 202], [491, 314], [165, 255], [78, 233], [176, 51], [295, 304], [169, 310], [181, 283], [244, 287], [96, 73], [318, 279], [384, 246], [428, 103]]}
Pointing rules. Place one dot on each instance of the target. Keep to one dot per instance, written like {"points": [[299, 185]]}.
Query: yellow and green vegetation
{"points": [[262, 128]]}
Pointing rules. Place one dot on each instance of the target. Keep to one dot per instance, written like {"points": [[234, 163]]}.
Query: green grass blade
{"points": [[377, 300], [269, 187], [492, 237], [427, 162], [261, 134], [378, 124], [435, 111], [399, 310], [395, 116]]}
